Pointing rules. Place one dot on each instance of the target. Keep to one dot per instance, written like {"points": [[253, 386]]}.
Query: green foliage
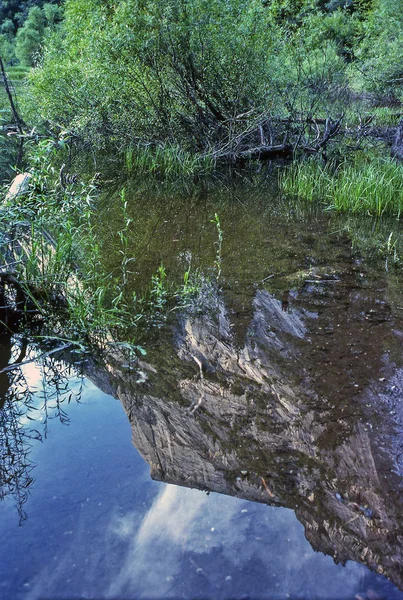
{"points": [[158, 290], [17, 10], [289, 12], [316, 80], [186, 75], [167, 80], [218, 259], [7, 49], [295, 13], [27, 21], [59, 263], [167, 161], [7, 42], [17, 73], [31, 35], [380, 56], [342, 29], [176, 71], [368, 185], [358, 7]]}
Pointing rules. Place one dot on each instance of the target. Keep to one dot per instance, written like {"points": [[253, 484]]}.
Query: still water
{"points": [[97, 526], [269, 414]]}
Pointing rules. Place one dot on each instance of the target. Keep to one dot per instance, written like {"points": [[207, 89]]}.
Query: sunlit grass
{"points": [[383, 115], [371, 185], [17, 73]]}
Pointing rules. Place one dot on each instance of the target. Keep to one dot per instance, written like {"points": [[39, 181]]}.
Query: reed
{"points": [[368, 185], [167, 161]]}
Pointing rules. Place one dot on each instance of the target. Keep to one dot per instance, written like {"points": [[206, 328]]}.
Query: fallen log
{"points": [[263, 153], [241, 150], [331, 130]]}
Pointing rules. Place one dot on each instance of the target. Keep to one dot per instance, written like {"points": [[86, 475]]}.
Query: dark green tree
{"points": [[7, 41], [17, 10], [31, 35]]}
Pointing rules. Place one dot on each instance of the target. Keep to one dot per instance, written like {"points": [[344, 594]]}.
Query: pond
{"points": [[268, 411]]}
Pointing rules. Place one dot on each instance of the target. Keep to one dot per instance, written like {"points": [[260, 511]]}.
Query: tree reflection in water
{"points": [[35, 388]]}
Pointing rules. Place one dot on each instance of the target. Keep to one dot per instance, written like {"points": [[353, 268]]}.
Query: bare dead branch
{"points": [[16, 117]]}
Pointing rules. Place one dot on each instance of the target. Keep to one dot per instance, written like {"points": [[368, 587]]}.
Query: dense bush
{"points": [[17, 10], [380, 55], [24, 43], [7, 40], [199, 73], [187, 71], [31, 36]]}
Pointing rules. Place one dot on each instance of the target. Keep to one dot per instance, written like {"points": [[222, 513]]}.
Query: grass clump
{"points": [[166, 161], [17, 73], [368, 185]]}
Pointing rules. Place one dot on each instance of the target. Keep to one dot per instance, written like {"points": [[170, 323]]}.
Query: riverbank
{"points": [[52, 259]]}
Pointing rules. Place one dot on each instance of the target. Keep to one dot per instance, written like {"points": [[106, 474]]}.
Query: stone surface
{"points": [[19, 185]]}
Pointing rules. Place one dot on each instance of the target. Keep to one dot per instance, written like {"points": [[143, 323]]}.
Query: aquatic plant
{"points": [[124, 240], [218, 258], [158, 291], [375, 238], [167, 161], [370, 185], [56, 258]]}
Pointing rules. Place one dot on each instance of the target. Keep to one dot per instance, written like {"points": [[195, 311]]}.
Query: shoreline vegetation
{"points": [[52, 276], [370, 185], [231, 81], [180, 87]]}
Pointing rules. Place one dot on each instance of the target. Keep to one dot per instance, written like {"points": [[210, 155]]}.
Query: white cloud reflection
{"points": [[183, 526], [153, 558]]}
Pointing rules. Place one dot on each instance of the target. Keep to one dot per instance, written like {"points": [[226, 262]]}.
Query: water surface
{"points": [[278, 391]]}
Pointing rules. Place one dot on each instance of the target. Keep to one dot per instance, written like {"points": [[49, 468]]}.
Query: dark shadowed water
{"points": [[269, 414]]}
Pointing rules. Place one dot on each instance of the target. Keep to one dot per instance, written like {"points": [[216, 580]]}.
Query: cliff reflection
{"points": [[297, 404]]}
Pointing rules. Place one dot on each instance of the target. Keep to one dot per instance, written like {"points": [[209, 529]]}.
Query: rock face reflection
{"points": [[294, 401]]}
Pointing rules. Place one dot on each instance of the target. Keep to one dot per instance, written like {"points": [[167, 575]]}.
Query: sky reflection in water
{"points": [[98, 527]]}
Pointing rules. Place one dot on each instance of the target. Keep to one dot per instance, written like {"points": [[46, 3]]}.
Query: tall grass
{"points": [[17, 73], [368, 185], [15, 76], [166, 161], [57, 255]]}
